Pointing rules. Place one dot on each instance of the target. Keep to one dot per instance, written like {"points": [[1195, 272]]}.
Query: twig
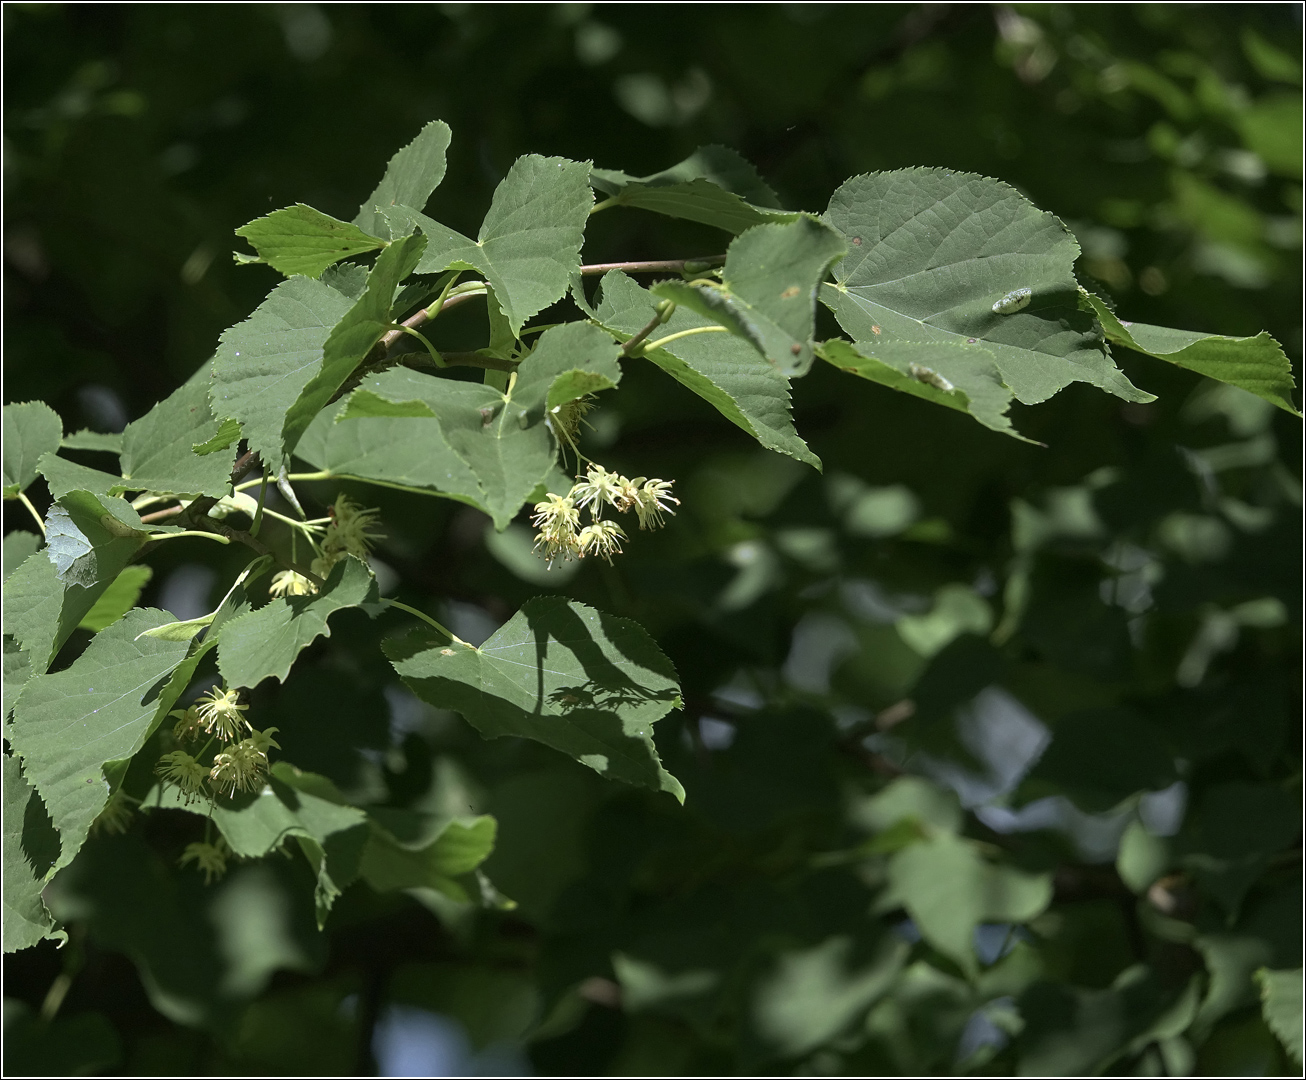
{"points": [[256, 545], [654, 266]]}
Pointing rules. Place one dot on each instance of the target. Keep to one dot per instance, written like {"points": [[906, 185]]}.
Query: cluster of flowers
{"points": [[349, 533], [561, 535], [240, 765]]}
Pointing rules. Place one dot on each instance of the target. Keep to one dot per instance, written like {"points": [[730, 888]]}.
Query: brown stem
{"points": [[159, 515], [458, 359], [653, 266], [633, 343]]}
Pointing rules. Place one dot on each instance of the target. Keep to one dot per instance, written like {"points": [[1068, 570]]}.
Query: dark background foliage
{"points": [[1134, 584]]}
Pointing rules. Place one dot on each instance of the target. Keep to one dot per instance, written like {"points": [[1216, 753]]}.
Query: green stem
{"points": [[190, 532], [28, 503], [439, 360], [262, 496], [603, 205], [654, 266], [686, 333], [430, 621]]}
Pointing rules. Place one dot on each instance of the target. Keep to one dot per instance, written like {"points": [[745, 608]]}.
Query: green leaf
{"points": [[529, 243], [568, 362], [1256, 364], [1099, 758], [970, 370], [88, 539], [724, 371], [816, 993], [1281, 1005], [264, 363], [86, 439], [400, 445], [118, 599], [63, 476], [30, 430], [930, 254], [410, 177], [483, 429], [714, 186], [767, 295], [948, 888], [353, 336], [26, 920], [264, 643], [228, 433], [588, 684], [68, 724], [157, 452], [426, 862], [301, 240], [293, 804], [19, 545]]}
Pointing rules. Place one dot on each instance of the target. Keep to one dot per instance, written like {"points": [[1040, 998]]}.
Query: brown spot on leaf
{"points": [[857, 240], [790, 292], [875, 330], [795, 348]]}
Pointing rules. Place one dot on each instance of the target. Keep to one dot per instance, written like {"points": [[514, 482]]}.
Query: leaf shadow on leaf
{"points": [[608, 686]]}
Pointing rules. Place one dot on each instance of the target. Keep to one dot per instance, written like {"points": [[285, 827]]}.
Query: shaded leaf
{"points": [[26, 921], [529, 243], [361, 327], [1281, 1004], [720, 368], [714, 186], [263, 364], [228, 433], [30, 430], [817, 993], [118, 599], [767, 294], [948, 888], [1256, 364], [430, 862], [588, 684], [410, 177], [264, 643], [301, 240], [930, 254], [68, 724]]}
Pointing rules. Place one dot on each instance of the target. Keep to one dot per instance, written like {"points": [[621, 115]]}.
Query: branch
{"points": [[656, 266]]}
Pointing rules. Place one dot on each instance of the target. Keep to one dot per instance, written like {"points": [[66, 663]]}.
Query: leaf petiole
{"points": [[439, 360], [686, 333], [189, 532], [431, 622], [22, 497]]}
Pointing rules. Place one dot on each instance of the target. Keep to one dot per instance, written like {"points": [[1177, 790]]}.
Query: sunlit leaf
{"points": [[301, 240], [588, 684], [30, 430]]}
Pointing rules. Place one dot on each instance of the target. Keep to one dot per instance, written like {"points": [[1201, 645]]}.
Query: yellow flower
{"points": [[189, 725], [210, 858], [350, 528], [598, 487], [220, 712], [651, 500], [289, 583], [603, 538], [184, 771], [239, 767]]}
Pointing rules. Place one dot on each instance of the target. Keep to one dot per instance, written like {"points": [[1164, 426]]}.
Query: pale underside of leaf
{"points": [[1256, 364]]}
